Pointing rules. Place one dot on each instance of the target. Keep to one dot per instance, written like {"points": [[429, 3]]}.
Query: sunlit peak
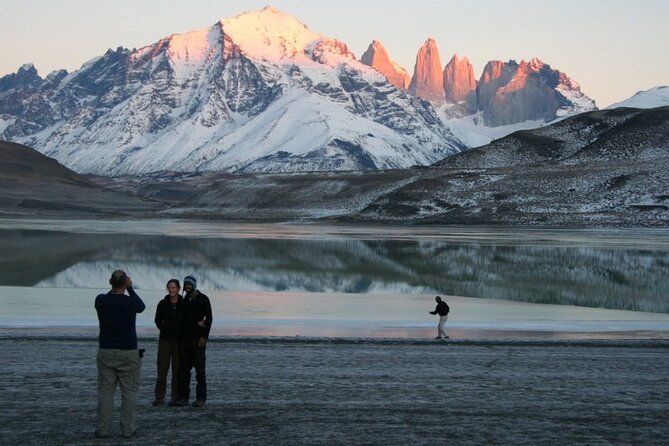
{"points": [[269, 34]]}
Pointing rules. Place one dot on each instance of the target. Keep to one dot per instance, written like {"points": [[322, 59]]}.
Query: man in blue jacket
{"points": [[118, 358]]}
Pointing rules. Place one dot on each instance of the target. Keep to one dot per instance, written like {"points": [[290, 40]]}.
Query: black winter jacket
{"points": [[196, 307], [442, 309], [168, 319]]}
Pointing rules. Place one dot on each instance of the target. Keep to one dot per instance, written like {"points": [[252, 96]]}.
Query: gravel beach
{"points": [[340, 391]]}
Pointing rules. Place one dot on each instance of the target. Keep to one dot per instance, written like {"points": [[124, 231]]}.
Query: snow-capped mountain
{"points": [[652, 98], [509, 96], [255, 92]]}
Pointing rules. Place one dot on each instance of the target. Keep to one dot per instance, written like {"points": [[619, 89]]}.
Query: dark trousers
{"points": [[192, 356], [168, 352]]}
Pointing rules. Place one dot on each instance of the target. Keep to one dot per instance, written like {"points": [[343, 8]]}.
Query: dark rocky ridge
{"points": [[599, 168], [32, 184]]}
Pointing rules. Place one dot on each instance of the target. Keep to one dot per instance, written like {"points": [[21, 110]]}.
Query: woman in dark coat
{"points": [[168, 321]]}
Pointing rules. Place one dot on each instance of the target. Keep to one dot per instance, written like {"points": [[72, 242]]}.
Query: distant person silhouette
{"points": [[442, 310], [119, 361]]}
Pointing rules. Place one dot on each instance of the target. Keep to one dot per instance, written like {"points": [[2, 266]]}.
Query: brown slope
{"points": [[34, 184]]}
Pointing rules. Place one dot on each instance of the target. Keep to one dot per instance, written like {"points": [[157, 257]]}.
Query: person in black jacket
{"points": [[168, 321], [195, 327], [442, 310]]}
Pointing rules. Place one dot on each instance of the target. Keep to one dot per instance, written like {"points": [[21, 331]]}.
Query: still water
{"points": [[613, 269]]}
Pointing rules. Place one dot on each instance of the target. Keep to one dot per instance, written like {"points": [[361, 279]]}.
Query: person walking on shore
{"points": [[197, 319], [442, 310], [168, 321], [118, 359]]}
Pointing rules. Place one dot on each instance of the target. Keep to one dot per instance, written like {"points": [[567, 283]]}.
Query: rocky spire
{"points": [[459, 79], [377, 57], [496, 74], [24, 77], [428, 78]]}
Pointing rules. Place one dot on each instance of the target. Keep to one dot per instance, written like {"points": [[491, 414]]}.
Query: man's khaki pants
{"points": [[441, 332], [123, 367]]}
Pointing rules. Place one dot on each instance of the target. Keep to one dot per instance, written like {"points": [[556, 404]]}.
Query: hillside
{"points": [[32, 184], [599, 168], [602, 168]]}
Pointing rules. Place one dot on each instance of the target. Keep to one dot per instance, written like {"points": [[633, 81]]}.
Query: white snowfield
{"points": [[652, 98], [255, 92]]}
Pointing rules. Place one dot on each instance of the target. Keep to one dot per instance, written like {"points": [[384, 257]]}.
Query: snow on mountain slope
{"points": [[652, 98], [256, 92], [472, 131], [271, 35]]}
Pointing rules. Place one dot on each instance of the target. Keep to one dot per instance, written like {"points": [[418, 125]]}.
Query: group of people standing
{"points": [[184, 323]]}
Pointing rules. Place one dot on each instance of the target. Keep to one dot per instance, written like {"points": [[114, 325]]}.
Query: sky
{"points": [[612, 48]]}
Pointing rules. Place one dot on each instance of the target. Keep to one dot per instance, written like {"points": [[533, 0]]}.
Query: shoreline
{"points": [[35, 222], [651, 339]]}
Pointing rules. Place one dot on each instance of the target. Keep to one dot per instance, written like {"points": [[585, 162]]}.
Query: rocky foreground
{"points": [[357, 392]]}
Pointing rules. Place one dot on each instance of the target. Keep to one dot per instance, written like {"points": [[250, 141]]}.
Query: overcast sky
{"points": [[613, 48]]}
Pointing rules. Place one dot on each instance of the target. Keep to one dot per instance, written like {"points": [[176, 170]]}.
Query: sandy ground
{"points": [[321, 391]]}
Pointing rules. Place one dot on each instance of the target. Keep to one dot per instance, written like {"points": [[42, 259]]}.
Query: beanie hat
{"points": [[191, 279]]}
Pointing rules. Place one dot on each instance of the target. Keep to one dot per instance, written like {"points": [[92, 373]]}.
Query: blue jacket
{"points": [[117, 314]]}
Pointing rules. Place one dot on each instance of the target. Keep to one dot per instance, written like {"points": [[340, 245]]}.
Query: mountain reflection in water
{"points": [[594, 276]]}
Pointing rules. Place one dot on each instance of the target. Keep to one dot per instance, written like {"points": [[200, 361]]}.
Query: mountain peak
{"points": [[25, 76], [535, 64], [459, 79], [28, 67], [377, 57], [428, 78], [652, 98], [270, 8], [269, 34]]}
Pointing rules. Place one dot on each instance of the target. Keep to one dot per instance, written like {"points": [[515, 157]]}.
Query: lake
{"points": [[375, 275]]}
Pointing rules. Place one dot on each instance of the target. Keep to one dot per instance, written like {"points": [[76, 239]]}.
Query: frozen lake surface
{"points": [[345, 281], [70, 311]]}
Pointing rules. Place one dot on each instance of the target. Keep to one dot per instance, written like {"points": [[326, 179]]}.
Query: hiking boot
{"points": [[173, 403], [158, 402], [199, 403], [181, 403], [129, 434], [101, 435]]}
